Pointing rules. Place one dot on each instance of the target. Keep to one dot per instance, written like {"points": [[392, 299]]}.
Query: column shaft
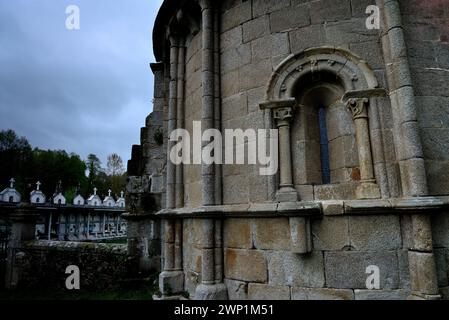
{"points": [[180, 120], [364, 150], [169, 245], [285, 156], [172, 114], [208, 85]]}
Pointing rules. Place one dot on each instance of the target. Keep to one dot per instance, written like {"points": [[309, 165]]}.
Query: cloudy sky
{"points": [[83, 91]]}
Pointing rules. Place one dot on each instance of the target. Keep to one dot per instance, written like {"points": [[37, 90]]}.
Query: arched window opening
{"points": [[324, 147], [11, 199], [323, 134], [38, 200]]}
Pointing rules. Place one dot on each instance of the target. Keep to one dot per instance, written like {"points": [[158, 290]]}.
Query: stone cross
{"points": [[121, 194], [38, 185], [109, 192], [12, 183], [95, 191]]}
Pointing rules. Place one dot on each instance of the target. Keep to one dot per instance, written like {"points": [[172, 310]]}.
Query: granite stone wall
{"points": [[42, 265]]}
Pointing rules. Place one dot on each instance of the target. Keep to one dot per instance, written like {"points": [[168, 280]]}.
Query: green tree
{"points": [[15, 158], [94, 169], [116, 173]]}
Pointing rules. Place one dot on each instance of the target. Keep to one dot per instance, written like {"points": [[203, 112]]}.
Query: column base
{"points": [[171, 283], [287, 194], [368, 191], [211, 292]]}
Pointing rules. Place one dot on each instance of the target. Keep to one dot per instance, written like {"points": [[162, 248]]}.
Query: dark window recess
{"points": [[324, 147]]}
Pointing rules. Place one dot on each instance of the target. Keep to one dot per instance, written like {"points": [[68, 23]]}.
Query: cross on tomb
{"points": [[121, 194], [12, 181], [38, 185], [95, 191], [109, 192]]}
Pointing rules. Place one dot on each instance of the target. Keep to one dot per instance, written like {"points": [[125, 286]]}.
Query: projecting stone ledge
{"points": [[311, 209], [253, 210]]}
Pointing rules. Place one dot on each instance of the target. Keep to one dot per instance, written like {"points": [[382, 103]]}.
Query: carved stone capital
{"points": [[283, 116], [358, 107]]}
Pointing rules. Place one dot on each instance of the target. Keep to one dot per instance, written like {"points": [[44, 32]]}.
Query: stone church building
{"points": [[359, 207]]}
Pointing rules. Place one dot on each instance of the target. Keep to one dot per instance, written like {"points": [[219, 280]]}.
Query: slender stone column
{"points": [[171, 279], [283, 115], [208, 85], [180, 119], [368, 188], [172, 110], [210, 288], [217, 104]]}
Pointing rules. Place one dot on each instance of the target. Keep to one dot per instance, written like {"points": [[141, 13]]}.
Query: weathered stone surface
{"points": [[381, 294], [330, 10], [237, 234], [348, 269], [235, 190], [423, 273], [270, 46], [375, 233], [321, 294], [331, 233], [171, 282], [437, 177], [335, 191], [236, 16], [237, 290], [235, 58], [254, 75], [441, 260], [404, 272], [234, 106], [315, 37], [333, 208], [305, 192], [440, 230], [256, 28], [286, 268], [268, 292], [266, 6], [272, 234], [245, 265], [289, 18]]}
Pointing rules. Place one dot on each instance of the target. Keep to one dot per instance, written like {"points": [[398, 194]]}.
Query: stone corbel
{"points": [[300, 235], [282, 111]]}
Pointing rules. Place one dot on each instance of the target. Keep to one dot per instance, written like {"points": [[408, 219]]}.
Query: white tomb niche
{"points": [[121, 201], [79, 200], [10, 195], [94, 200], [109, 200], [37, 196]]}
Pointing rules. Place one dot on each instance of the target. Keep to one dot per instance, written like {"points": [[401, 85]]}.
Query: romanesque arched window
{"points": [[319, 101], [322, 133]]}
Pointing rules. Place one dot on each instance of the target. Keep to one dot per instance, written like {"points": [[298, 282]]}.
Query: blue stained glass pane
{"points": [[324, 147]]}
